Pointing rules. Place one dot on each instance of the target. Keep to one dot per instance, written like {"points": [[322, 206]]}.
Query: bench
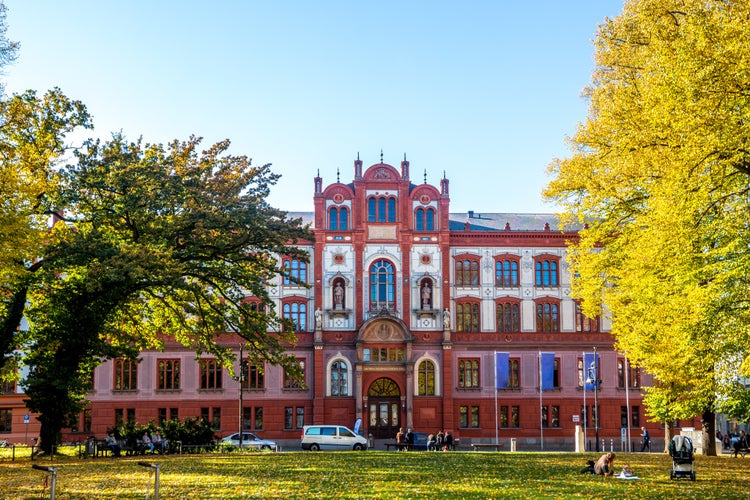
{"points": [[741, 451], [488, 446]]}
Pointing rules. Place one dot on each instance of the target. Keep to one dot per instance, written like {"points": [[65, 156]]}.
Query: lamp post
{"points": [[593, 378], [241, 379]]}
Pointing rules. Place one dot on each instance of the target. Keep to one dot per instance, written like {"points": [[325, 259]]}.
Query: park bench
{"points": [[486, 446]]}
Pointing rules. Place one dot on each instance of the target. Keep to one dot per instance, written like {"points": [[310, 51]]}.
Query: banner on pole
{"points": [[547, 360], [590, 370], [501, 370]]}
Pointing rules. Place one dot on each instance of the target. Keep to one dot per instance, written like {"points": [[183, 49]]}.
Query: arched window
{"points": [[508, 317], [333, 219], [426, 378], [506, 273], [294, 269], [339, 378], [467, 272], [343, 219], [546, 273], [547, 317], [297, 313], [467, 317], [382, 285], [584, 323], [424, 219], [381, 209]]}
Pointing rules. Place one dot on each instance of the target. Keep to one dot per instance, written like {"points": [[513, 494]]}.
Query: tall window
{"points": [[338, 219], [468, 417], [166, 414], [6, 420], [467, 272], [546, 273], [424, 219], [255, 378], [550, 416], [295, 271], [584, 323], [547, 317], [633, 375], [468, 373], [635, 416], [297, 313], [339, 379], [212, 415], [514, 373], [381, 209], [467, 317], [382, 285], [168, 374], [508, 317], [509, 416], [506, 273], [8, 387], [126, 374], [426, 378], [210, 374], [292, 383]]}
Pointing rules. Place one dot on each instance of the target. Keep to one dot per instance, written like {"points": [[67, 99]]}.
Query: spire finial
{"points": [[357, 155], [381, 155], [318, 172], [337, 174], [404, 156], [425, 176]]}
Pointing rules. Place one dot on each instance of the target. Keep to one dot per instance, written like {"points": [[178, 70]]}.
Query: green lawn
{"points": [[373, 474]]}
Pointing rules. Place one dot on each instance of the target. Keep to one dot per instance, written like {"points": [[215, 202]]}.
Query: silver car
{"points": [[249, 440]]}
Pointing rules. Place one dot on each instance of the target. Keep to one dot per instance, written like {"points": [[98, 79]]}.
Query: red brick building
{"points": [[409, 308]]}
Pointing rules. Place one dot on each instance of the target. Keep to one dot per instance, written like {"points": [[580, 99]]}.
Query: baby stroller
{"points": [[683, 461]]}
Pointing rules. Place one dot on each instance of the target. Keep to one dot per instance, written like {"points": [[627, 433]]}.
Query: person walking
{"points": [[646, 439]]}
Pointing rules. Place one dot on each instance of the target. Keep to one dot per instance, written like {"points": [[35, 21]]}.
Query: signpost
{"points": [[26, 421]]}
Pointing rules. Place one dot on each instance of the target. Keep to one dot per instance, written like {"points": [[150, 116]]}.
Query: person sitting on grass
{"points": [[605, 465]]}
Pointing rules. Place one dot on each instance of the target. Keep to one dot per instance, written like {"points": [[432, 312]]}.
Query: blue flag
{"points": [[590, 370], [501, 370], [548, 370]]}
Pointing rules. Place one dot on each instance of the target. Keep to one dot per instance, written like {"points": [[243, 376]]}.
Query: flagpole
{"points": [[585, 410], [627, 398], [541, 430], [497, 437]]}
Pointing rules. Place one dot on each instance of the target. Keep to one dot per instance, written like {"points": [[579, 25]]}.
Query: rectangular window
{"points": [[247, 417], [292, 383], [468, 373], [509, 416], [623, 416], [210, 374], [86, 420], [126, 375], [259, 418], [131, 415], [467, 317], [6, 420], [551, 416], [168, 374], [216, 418], [635, 417], [288, 417], [119, 412], [514, 373], [8, 387], [556, 374], [162, 417], [255, 378], [300, 417], [633, 375]]}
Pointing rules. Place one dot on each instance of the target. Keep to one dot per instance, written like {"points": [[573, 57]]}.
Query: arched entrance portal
{"points": [[384, 401]]}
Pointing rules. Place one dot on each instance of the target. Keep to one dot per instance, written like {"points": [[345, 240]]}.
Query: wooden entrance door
{"points": [[384, 401]]}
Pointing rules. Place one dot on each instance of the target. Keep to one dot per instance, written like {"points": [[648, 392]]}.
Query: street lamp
{"points": [[241, 378], [593, 378]]}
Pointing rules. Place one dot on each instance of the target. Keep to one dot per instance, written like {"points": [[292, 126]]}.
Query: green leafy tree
{"points": [[159, 241], [659, 173]]}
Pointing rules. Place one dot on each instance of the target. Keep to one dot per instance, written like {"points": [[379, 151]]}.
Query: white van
{"points": [[331, 437]]}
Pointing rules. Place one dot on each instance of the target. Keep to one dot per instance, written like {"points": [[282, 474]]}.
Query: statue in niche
{"points": [[338, 296], [426, 295]]}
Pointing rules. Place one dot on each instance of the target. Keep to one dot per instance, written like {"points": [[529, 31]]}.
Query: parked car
{"points": [[331, 437], [249, 440]]}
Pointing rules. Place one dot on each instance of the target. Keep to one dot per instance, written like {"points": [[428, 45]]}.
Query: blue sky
{"points": [[485, 91]]}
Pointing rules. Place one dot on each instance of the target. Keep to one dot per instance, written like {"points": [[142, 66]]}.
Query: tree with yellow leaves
{"points": [[660, 173]]}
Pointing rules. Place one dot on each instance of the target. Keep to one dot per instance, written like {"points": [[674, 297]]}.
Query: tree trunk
{"points": [[668, 434], [708, 436]]}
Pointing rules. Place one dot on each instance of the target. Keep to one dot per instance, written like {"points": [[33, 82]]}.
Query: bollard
{"points": [[156, 476], [611, 445], [512, 444], [52, 472]]}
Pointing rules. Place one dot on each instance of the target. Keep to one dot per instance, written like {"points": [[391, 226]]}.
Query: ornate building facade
{"points": [[414, 317]]}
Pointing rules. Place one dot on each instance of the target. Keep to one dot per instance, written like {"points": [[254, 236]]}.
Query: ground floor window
{"points": [[294, 418], [509, 416], [468, 417], [551, 416], [6, 420]]}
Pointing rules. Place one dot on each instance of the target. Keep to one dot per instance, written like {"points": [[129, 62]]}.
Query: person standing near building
{"points": [[646, 439]]}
